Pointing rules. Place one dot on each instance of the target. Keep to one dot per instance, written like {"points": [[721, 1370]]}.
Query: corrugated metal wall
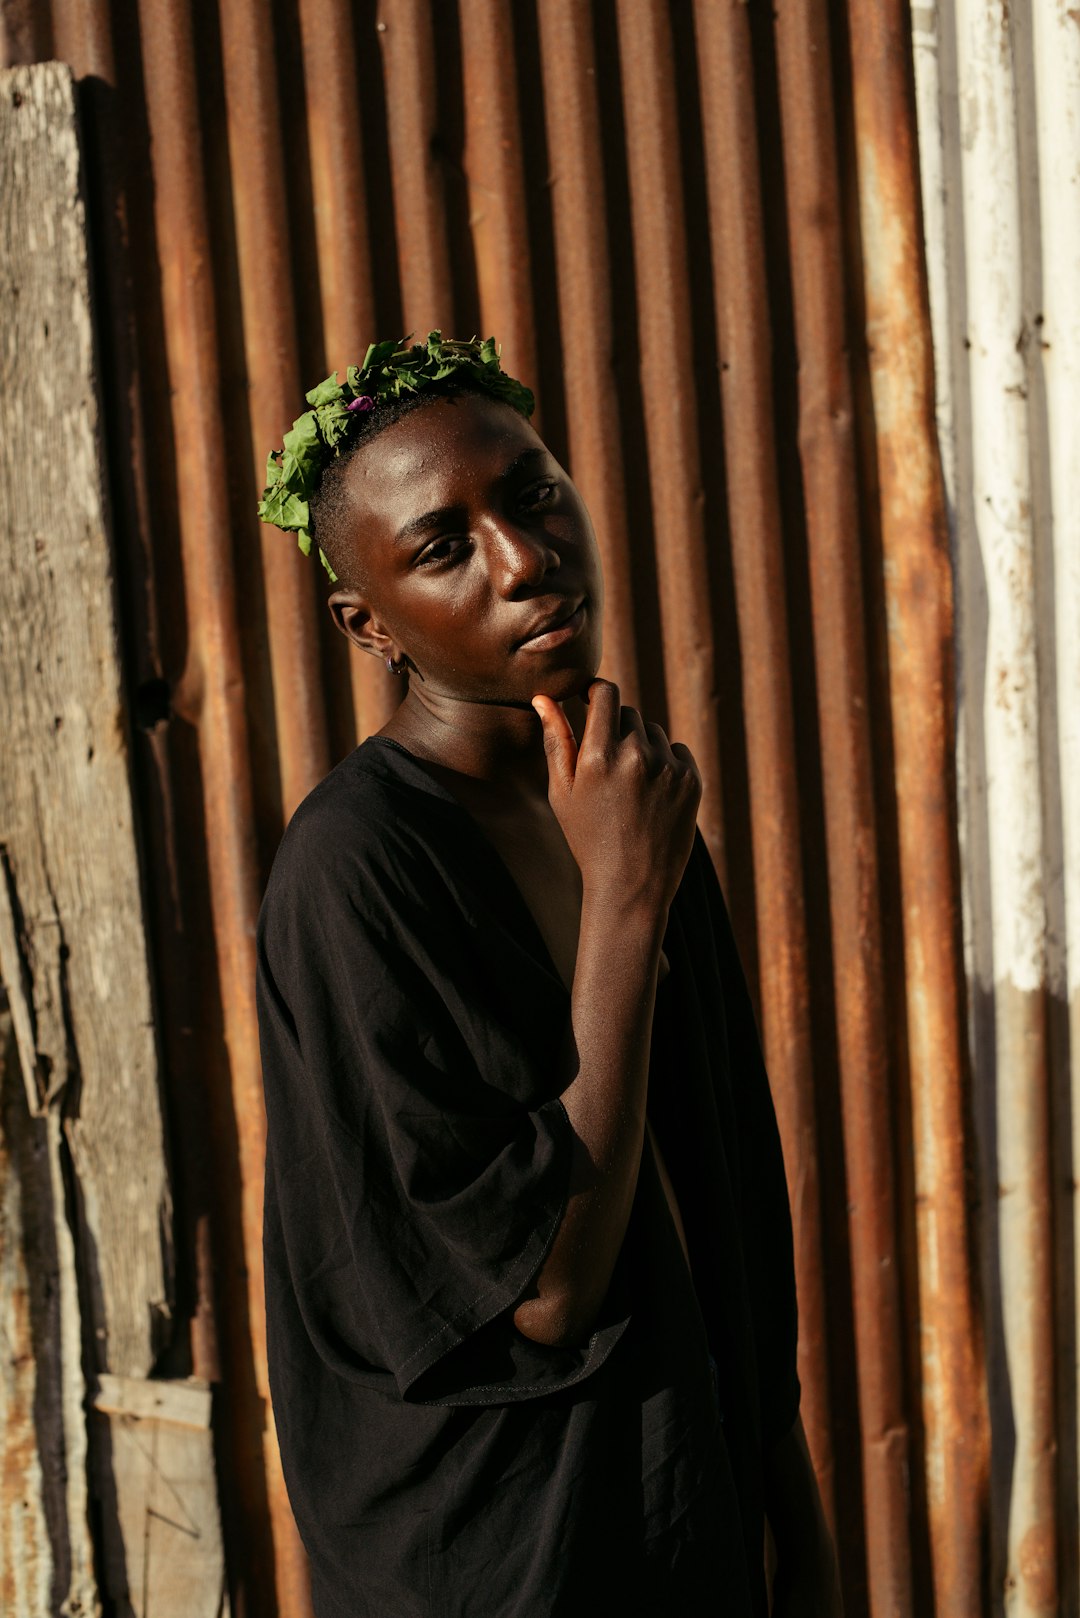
{"points": [[696, 230], [999, 124]]}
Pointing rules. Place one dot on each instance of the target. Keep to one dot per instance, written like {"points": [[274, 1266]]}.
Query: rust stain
{"points": [[915, 544], [1036, 1562], [605, 159], [744, 333]]}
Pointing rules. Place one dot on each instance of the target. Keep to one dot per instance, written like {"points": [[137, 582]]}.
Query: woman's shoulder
{"points": [[373, 813]]}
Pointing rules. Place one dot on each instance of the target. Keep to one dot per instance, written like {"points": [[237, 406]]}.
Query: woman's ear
{"points": [[357, 623]]}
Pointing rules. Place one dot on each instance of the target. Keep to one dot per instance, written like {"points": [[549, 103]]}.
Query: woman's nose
{"points": [[522, 557]]}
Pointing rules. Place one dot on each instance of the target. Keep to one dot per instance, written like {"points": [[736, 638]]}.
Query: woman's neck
{"points": [[499, 748]]}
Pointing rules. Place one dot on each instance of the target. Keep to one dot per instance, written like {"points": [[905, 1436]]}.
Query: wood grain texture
{"points": [[70, 902], [163, 1465], [83, 1170], [26, 1552]]}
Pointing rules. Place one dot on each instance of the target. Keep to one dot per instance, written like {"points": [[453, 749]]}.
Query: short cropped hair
{"points": [[330, 503]]}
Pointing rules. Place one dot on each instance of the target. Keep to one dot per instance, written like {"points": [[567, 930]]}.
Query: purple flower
{"points": [[362, 402]]}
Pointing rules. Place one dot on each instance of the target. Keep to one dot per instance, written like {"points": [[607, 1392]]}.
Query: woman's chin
{"points": [[562, 684]]}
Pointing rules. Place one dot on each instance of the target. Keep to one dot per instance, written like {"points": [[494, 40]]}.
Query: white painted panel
{"points": [[988, 270], [1057, 103]]}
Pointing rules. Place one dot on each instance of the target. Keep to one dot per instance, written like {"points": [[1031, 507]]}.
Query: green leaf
{"points": [[322, 558], [391, 369], [335, 423], [379, 353], [325, 393], [284, 508], [304, 450]]}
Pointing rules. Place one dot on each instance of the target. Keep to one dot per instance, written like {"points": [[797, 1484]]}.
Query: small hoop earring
{"points": [[393, 667]]}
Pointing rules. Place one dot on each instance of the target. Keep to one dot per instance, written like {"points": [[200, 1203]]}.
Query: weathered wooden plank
{"points": [[67, 839], [73, 950], [183, 1403], [26, 1555], [163, 1463], [46, 1553]]}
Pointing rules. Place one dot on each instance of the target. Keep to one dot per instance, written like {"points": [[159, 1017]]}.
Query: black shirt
{"points": [[440, 1464]]}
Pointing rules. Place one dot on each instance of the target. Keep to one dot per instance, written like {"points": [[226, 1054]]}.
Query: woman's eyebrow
{"points": [[537, 453], [444, 514], [430, 519]]}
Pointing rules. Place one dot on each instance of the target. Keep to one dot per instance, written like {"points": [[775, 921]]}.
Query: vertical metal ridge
{"points": [[1056, 360], [998, 542], [406, 31], [343, 247], [652, 149], [275, 397], [82, 37], [1011, 146], [743, 326], [25, 33], [583, 270], [496, 179], [827, 454], [339, 189], [214, 679], [919, 599]]}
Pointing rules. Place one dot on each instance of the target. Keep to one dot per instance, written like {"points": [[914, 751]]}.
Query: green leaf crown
{"points": [[391, 370]]}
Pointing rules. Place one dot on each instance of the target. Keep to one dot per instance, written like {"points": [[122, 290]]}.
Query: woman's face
{"points": [[470, 538]]}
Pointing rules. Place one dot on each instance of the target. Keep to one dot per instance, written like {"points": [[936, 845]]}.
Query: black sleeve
{"points": [[767, 1234], [416, 1169]]}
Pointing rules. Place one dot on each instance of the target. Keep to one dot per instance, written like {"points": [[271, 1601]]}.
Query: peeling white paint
{"points": [[1057, 76], [998, 111]]}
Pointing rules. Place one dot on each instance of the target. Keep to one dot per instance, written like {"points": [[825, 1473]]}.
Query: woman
{"points": [[530, 1303]]}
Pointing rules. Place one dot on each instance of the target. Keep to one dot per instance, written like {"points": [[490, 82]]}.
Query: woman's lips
{"points": [[557, 636]]}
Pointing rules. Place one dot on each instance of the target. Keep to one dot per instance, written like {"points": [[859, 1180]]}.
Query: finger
{"points": [[632, 724], [684, 755], [659, 739], [602, 720], [560, 744]]}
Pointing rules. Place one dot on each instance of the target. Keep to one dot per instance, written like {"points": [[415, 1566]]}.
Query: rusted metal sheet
{"points": [[918, 589], [743, 327], [583, 267], [82, 36], [25, 33], [406, 31], [829, 471], [665, 338], [343, 243], [496, 178], [415, 170], [274, 389], [212, 692]]}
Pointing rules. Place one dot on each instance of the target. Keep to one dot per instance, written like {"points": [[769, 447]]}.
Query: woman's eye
{"points": [[442, 550], [541, 494]]}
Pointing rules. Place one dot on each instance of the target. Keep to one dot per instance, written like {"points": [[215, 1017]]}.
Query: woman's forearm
{"points": [[612, 1004]]}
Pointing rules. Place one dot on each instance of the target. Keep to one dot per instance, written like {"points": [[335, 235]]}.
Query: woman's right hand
{"points": [[626, 798]]}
